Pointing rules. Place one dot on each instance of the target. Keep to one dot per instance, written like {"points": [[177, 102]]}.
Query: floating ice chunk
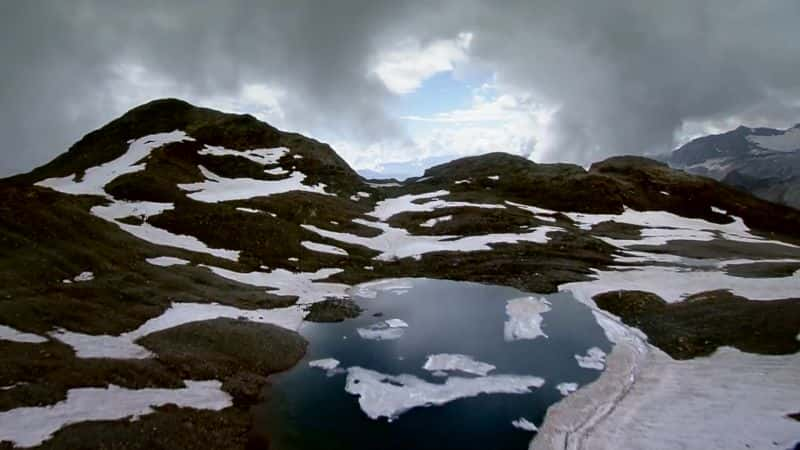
{"points": [[96, 178], [382, 395], [217, 188], [594, 359], [166, 261], [453, 361], [248, 210], [325, 363], [567, 388], [84, 276], [386, 330], [431, 222], [396, 323], [524, 424], [124, 346], [525, 318], [283, 282], [324, 248], [10, 334], [31, 426]]}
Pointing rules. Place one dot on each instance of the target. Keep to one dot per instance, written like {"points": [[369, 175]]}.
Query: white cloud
{"points": [[403, 68]]}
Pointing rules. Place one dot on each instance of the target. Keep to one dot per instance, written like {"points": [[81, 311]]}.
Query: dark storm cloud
{"points": [[626, 74]]}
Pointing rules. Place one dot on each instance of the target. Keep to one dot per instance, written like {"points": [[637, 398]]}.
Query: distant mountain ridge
{"points": [[763, 161]]}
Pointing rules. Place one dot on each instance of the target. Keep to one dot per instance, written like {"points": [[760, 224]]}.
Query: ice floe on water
{"points": [[566, 388], [397, 243], [96, 178], [595, 358], [385, 330], [302, 285], [525, 318], [524, 424], [119, 210], [382, 395], [10, 334], [217, 188], [325, 363], [324, 248], [124, 346], [167, 261], [673, 284], [31, 426], [263, 156], [444, 362]]}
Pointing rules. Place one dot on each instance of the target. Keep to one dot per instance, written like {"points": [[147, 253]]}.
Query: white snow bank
{"points": [[96, 178], [463, 182], [444, 362], [283, 282], [493, 177], [432, 222], [595, 359], [525, 318], [673, 284], [263, 156], [382, 395], [146, 232], [324, 248], [124, 346], [166, 261], [397, 243], [249, 210], [524, 424], [385, 209], [566, 388], [728, 400], [217, 188], [10, 334], [31, 426]]}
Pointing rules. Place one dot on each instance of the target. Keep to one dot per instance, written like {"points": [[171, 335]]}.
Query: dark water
{"points": [[309, 410]]}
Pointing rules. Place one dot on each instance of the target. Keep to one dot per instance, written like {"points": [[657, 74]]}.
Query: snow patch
{"points": [[263, 156], [167, 261], [432, 222], [96, 178], [124, 346], [385, 209], [248, 210], [217, 188], [324, 248], [31, 426], [283, 282], [10, 334]]}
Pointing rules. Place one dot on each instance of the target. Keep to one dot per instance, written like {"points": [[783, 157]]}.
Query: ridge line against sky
{"points": [[410, 82]]}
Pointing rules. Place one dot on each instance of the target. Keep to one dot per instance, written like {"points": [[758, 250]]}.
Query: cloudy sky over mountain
{"points": [[389, 82]]}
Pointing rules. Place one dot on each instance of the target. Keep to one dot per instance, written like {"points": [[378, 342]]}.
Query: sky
{"points": [[397, 85]]}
